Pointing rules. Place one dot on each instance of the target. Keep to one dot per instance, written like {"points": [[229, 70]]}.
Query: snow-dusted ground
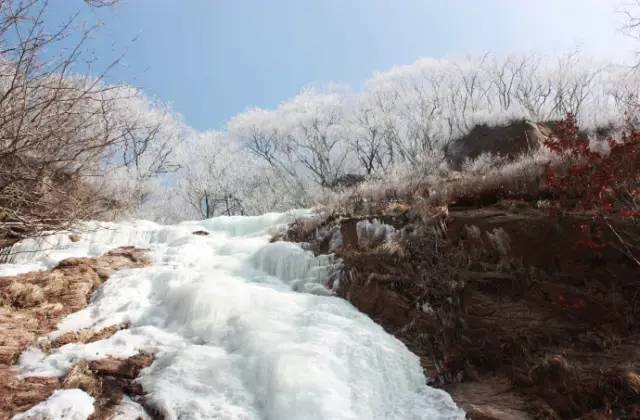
{"points": [[241, 329]]}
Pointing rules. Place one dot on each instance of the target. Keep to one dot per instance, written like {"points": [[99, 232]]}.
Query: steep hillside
{"points": [[504, 307], [517, 285]]}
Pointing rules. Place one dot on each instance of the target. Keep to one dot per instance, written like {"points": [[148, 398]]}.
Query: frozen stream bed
{"points": [[241, 328]]}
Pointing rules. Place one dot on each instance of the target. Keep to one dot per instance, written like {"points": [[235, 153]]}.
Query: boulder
{"points": [[510, 141]]}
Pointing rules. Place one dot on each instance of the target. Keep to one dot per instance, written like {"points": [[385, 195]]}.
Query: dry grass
{"points": [[632, 381], [87, 335], [394, 248], [23, 295], [81, 377], [32, 304], [484, 181]]}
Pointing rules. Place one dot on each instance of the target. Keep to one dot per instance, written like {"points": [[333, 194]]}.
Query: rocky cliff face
{"points": [[509, 310]]}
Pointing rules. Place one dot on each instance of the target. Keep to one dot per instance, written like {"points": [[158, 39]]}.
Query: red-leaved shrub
{"points": [[605, 184], [608, 184]]}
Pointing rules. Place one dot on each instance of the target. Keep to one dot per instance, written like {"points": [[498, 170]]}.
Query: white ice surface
{"points": [[68, 404], [241, 328], [129, 410]]}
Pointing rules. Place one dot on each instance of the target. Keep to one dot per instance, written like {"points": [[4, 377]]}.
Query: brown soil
{"points": [[32, 304], [504, 307]]}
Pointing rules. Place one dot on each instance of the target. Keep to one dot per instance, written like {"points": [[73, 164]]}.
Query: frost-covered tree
{"points": [[368, 136], [314, 123], [64, 133], [303, 141], [211, 185], [402, 121], [263, 135]]}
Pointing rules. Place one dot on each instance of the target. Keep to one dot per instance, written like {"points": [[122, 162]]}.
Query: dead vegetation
{"points": [[83, 336], [484, 181], [32, 304]]}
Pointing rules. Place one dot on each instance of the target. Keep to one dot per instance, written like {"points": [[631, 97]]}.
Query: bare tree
{"points": [[368, 139], [631, 13], [531, 91], [506, 77], [317, 148], [57, 127], [209, 188], [262, 134], [102, 3], [304, 139]]}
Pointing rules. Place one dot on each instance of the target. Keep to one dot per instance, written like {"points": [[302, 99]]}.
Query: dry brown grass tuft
{"points": [[23, 295], [518, 179], [81, 377], [394, 249], [83, 336], [395, 208]]}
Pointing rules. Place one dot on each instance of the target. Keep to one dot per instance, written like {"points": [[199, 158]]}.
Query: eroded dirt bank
{"points": [[32, 304], [510, 310]]}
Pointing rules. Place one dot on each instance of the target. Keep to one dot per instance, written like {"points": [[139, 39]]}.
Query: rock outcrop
{"points": [[510, 141]]}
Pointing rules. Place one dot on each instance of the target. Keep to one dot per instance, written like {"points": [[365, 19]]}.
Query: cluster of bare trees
{"points": [[73, 147], [216, 177], [61, 132], [404, 118], [402, 121], [422, 107]]}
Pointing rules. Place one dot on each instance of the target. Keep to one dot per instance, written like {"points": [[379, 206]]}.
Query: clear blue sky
{"points": [[214, 58]]}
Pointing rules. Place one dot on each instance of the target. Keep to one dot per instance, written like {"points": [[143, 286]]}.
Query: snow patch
{"points": [[68, 404]]}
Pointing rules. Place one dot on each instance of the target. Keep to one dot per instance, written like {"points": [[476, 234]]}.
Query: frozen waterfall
{"points": [[241, 328]]}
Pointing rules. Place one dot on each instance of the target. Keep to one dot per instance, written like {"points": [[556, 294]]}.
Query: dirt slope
{"points": [[506, 307]]}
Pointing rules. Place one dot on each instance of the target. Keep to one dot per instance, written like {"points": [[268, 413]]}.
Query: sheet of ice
{"points": [[373, 233], [68, 404], [241, 328], [8, 269]]}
